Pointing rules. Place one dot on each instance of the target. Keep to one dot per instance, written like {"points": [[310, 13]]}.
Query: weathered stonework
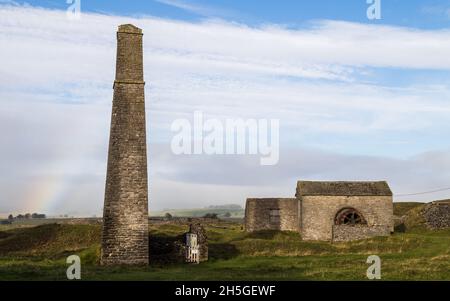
{"points": [[348, 233], [437, 214], [125, 216], [257, 214], [317, 210], [202, 240]]}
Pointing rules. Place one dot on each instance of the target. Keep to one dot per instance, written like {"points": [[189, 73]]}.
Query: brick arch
{"points": [[349, 216]]}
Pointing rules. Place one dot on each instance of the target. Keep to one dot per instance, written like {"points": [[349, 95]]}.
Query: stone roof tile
{"points": [[343, 188]]}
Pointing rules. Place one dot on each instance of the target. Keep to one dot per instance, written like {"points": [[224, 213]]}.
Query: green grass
{"points": [[403, 208], [39, 253]]}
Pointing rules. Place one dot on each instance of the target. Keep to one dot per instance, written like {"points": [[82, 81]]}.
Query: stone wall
{"points": [[356, 232], [437, 214], [257, 214], [125, 216], [318, 213]]}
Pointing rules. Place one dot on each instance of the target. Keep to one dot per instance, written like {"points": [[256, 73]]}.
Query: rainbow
{"points": [[44, 194]]}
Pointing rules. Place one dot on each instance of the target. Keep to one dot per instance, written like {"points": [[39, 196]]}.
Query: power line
{"points": [[424, 192]]}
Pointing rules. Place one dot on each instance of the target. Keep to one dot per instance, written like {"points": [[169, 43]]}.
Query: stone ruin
{"points": [[189, 247], [195, 244], [437, 214]]}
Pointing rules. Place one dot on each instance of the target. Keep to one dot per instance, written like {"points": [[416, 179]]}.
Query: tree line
{"points": [[27, 216]]}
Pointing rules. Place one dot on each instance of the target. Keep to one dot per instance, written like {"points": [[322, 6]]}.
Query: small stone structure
{"points": [[437, 214], [329, 211], [189, 247], [196, 244], [125, 213], [272, 214]]}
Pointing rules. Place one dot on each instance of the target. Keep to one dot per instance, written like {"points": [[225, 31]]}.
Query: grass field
{"points": [[39, 253]]}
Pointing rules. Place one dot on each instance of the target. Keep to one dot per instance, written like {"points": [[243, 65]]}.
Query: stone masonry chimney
{"points": [[125, 213]]}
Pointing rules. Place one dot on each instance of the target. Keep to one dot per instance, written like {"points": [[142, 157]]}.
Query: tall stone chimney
{"points": [[125, 213]]}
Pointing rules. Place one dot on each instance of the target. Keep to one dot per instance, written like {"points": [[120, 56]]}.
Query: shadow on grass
{"points": [[4, 234], [164, 249], [400, 228], [263, 234], [223, 251], [27, 239], [271, 234]]}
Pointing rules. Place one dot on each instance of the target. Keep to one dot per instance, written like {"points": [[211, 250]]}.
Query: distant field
{"points": [[27, 223], [399, 210], [236, 213]]}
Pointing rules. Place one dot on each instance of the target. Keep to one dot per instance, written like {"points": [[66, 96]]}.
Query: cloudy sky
{"points": [[357, 99]]}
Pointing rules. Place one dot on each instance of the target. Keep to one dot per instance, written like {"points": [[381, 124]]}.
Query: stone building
{"points": [[125, 216], [329, 211]]}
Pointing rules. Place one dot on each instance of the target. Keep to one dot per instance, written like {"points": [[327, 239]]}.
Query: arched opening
{"points": [[350, 217]]}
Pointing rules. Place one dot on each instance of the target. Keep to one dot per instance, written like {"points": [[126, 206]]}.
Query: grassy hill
{"points": [[39, 253], [401, 209]]}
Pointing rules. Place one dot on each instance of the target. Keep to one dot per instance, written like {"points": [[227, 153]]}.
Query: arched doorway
{"points": [[350, 217]]}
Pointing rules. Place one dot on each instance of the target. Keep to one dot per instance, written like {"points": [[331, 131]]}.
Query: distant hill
{"points": [[228, 206], [236, 211]]}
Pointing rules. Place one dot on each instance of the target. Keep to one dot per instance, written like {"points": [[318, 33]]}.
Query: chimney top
{"points": [[129, 28]]}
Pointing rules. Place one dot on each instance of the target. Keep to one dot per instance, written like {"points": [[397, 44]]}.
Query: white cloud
{"points": [[423, 172], [195, 8], [56, 88], [9, 2]]}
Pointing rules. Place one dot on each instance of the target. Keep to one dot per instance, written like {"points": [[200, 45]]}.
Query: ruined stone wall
{"points": [[319, 212], [125, 226], [437, 214], [348, 233], [202, 240], [257, 214]]}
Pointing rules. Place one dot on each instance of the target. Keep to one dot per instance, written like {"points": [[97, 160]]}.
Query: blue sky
{"points": [[425, 14], [357, 99]]}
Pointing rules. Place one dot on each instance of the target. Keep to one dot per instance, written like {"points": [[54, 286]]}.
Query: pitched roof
{"points": [[342, 188], [270, 199]]}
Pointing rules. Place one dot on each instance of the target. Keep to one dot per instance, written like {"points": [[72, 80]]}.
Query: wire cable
{"points": [[424, 192]]}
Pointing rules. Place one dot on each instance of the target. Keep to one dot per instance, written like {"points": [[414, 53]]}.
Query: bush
{"points": [[210, 215], [37, 215]]}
